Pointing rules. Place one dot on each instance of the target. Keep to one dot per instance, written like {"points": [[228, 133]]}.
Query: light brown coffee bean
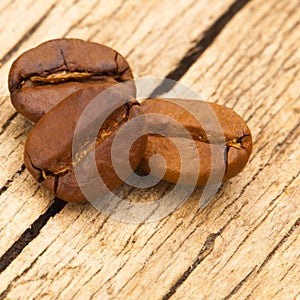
{"points": [[221, 138]]}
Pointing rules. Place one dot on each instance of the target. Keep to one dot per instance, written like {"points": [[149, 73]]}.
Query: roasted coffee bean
{"points": [[43, 76], [48, 149], [221, 139]]}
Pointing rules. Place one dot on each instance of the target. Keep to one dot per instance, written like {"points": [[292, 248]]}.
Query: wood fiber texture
{"points": [[245, 244]]}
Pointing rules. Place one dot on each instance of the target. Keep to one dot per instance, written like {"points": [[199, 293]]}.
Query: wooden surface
{"points": [[245, 244]]}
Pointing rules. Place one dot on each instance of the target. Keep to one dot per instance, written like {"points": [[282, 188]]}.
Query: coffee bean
{"points": [[220, 137], [54, 83], [48, 149], [43, 76]]}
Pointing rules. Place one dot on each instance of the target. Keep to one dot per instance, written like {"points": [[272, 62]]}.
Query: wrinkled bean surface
{"points": [[221, 153], [43, 76], [48, 149]]}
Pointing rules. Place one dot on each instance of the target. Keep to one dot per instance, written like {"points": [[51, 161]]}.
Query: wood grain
{"points": [[88, 21], [245, 243]]}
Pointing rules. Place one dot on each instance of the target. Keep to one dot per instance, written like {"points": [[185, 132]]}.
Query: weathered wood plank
{"points": [[39, 29], [87, 20], [280, 270], [16, 10], [5, 5], [245, 239], [13, 134], [264, 87]]}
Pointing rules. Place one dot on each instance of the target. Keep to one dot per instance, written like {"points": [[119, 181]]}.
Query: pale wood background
{"points": [[245, 244]]}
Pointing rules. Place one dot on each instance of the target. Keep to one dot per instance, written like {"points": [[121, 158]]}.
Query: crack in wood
{"points": [[273, 154], [9, 182], [26, 36], [74, 257], [11, 284], [233, 73], [235, 50], [268, 258], [205, 41], [160, 224], [202, 255], [277, 146], [249, 294], [270, 210], [30, 233], [287, 271], [8, 122], [206, 249], [117, 271], [240, 284], [281, 242], [79, 23], [152, 253], [127, 242]]}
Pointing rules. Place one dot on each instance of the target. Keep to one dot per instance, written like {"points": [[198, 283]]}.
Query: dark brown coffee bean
{"points": [[43, 76], [221, 139], [48, 149]]}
